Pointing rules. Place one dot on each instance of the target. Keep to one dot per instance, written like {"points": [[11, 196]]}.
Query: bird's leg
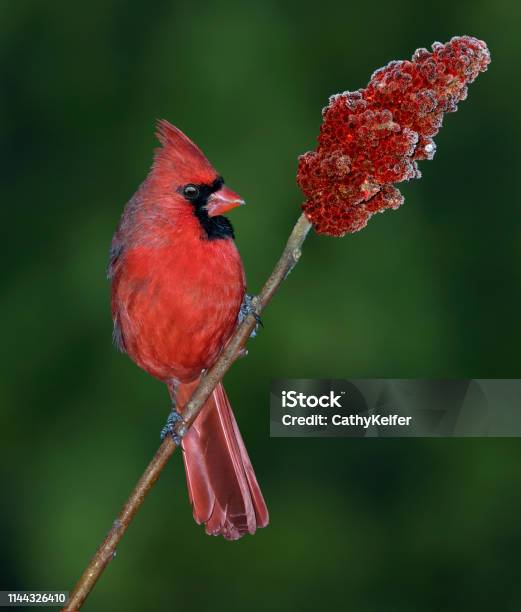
{"points": [[248, 307], [173, 418]]}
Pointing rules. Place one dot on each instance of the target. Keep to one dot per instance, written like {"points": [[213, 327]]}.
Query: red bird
{"points": [[177, 289]]}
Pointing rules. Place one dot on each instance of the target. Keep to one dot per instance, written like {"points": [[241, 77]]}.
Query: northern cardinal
{"points": [[177, 288]]}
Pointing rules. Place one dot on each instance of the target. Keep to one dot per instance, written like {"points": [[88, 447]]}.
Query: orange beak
{"points": [[222, 201]]}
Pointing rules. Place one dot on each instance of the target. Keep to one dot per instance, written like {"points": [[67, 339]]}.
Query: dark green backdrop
{"points": [[432, 290]]}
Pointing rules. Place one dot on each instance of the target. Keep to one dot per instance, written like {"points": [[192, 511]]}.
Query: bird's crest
{"points": [[178, 154]]}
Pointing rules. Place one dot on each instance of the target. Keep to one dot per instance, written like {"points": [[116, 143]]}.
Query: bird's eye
{"points": [[191, 192]]}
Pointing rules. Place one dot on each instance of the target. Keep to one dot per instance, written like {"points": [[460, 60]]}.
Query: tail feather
{"points": [[222, 486]]}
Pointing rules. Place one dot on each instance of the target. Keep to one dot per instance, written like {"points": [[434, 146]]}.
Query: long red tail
{"points": [[222, 486]]}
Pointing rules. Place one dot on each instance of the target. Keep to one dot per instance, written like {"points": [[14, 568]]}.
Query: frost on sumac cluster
{"points": [[373, 137]]}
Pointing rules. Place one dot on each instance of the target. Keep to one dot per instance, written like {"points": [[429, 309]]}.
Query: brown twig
{"points": [[106, 550]]}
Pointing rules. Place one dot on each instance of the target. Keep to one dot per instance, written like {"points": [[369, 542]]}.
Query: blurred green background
{"points": [[432, 290]]}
